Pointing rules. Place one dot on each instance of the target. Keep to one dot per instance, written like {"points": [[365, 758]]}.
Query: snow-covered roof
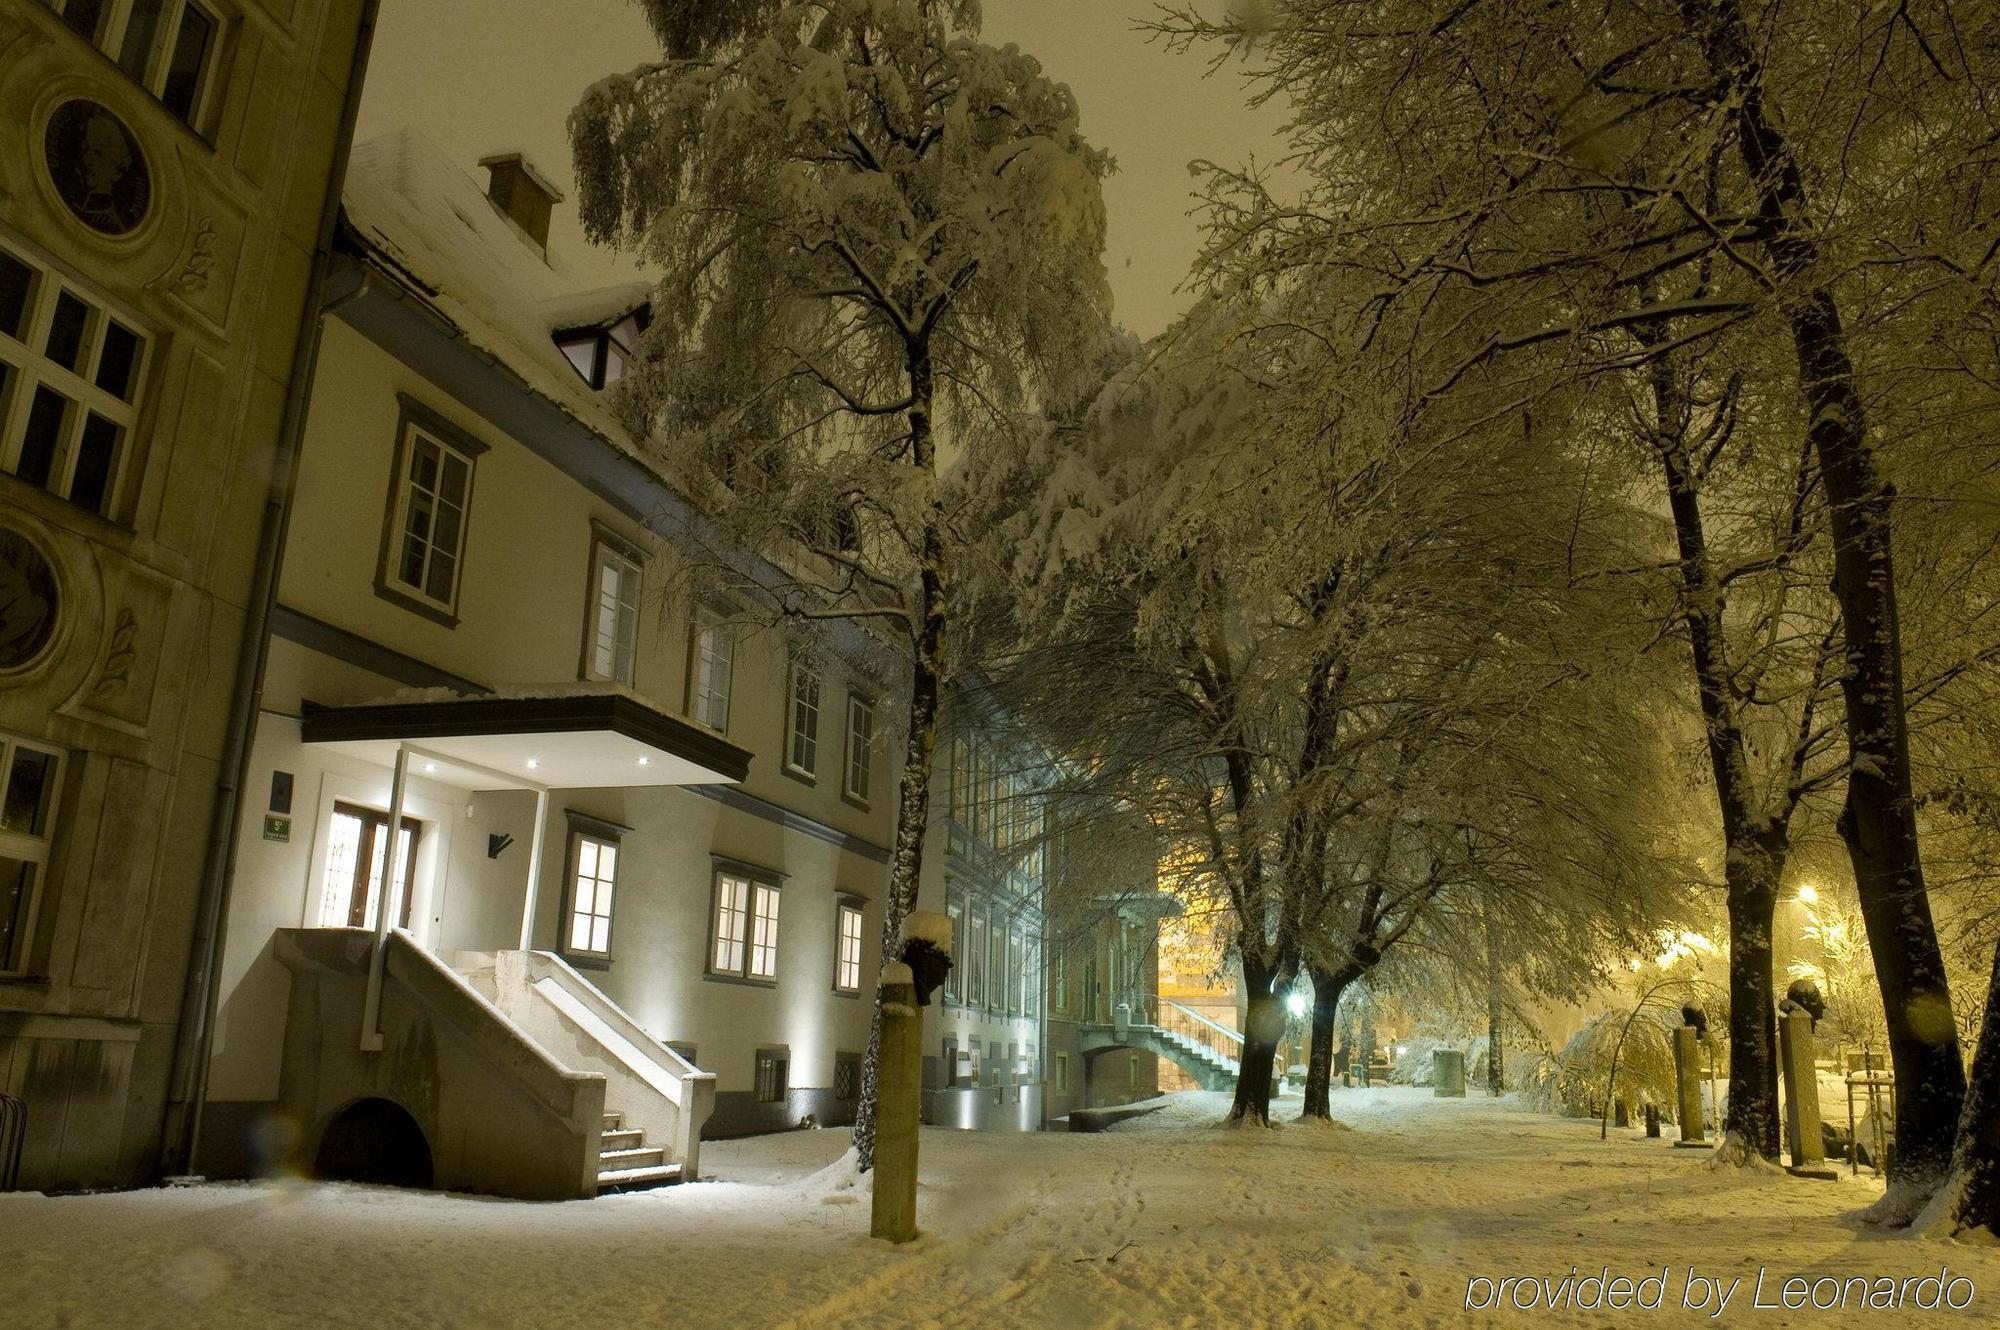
{"points": [[425, 213]]}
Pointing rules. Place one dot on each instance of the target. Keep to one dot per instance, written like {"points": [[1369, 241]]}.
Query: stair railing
{"points": [[1210, 1034]]}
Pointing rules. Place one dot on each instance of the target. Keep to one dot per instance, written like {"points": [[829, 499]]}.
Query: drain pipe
{"points": [[187, 1085]]}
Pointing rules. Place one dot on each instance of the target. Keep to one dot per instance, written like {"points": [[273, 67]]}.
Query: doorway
{"points": [[357, 845]]}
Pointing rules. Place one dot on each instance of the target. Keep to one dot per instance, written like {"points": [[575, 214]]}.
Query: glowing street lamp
{"points": [[1295, 1002], [1808, 894]]}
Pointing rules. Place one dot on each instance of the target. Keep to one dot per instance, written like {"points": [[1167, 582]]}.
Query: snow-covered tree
{"points": [[871, 230], [1595, 175]]}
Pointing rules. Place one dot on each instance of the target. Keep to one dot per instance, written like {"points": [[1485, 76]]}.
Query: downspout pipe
{"points": [[188, 1077]]}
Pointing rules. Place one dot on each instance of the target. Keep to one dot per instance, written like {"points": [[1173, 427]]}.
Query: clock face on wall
{"points": [[28, 601], [97, 167]]}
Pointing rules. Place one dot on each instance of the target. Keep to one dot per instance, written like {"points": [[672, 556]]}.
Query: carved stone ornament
{"points": [[97, 166], [29, 601]]}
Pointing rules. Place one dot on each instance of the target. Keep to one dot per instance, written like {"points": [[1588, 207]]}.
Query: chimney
{"points": [[522, 194]]}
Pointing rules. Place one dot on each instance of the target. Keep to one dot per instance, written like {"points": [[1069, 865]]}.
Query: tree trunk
{"points": [[1263, 1026], [1878, 821], [1496, 1074], [1752, 872], [914, 793], [1755, 843], [1328, 985], [1973, 1193]]}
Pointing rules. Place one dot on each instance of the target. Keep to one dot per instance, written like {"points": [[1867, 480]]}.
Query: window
{"points": [[593, 878], [357, 845], [975, 960], [611, 632], [745, 932], [860, 738], [430, 499], [773, 1066], [70, 374], [167, 45], [949, 1063], [1012, 1076], [1017, 972], [996, 966], [711, 654], [846, 1077], [1059, 981], [1032, 978], [1062, 1071], [802, 750], [961, 782], [954, 981], [30, 777], [847, 947]]}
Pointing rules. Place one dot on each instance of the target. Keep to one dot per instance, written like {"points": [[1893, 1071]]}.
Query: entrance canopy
{"points": [[573, 740]]}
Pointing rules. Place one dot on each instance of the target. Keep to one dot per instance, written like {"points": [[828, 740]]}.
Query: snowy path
{"points": [[1160, 1222]]}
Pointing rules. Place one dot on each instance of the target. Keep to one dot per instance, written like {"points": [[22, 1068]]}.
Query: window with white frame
{"points": [[975, 959], [802, 744], [996, 965], [744, 935], [954, 981], [1031, 985], [612, 635], [711, 655], [860, 746], [168, 46], [1059, 981], [30, 779], [70, 375], [847, 947], [1017, 971], [593, 880], [423, 555]]}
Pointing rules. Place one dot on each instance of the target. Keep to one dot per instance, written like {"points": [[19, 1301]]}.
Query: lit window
{"points": [[773, 1066], [860, 742], [953, 983], [712, 653], [357, 851], [168, 46], [70, 374], [30, 778], [593, 857], [613, 627], [763, 932], [847, 948], [744, 936], [975, 959], [429, 511], [802, 753]]}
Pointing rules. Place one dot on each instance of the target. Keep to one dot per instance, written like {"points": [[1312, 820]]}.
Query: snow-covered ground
{"points": [[1164, 1221]]}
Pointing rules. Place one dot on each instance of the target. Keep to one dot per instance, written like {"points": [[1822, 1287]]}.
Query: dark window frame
{"points": [[413, 416]]}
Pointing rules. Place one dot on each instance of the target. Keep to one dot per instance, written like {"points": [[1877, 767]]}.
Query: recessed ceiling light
{"points": [[430, 767], [533, 763], [645, 761]]}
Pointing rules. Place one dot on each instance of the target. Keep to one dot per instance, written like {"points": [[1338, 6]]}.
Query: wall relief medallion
{"points": [[97, 167], [30, 600]]}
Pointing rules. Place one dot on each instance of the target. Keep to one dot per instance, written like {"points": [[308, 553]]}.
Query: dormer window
{"points": [[600, 354]]}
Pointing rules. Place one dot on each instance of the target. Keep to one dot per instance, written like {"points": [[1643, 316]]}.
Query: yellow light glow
{"points": [[1809, 894]]}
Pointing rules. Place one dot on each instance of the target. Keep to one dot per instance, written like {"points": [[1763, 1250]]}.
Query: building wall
{"points": [[153, 595]]}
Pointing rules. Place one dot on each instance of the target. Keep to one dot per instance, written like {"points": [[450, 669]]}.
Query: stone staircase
{"points": [[626, 1163]]}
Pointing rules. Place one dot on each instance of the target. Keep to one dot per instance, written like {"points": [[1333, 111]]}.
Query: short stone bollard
{"points": [[1447, 1073], [898, 1107], [1795, 1058], [1687, 1086], [1653, 1121]]}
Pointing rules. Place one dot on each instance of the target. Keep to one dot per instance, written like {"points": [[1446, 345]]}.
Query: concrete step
{"points": [[637, 1179], [613, 1121], [622, 1138], [630, 1157]]}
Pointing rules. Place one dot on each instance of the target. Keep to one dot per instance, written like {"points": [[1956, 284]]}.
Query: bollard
{"points": [[1687, 1086], [897, 1108], [1447, 1074], [1795, 1059], [1653, 1121]]}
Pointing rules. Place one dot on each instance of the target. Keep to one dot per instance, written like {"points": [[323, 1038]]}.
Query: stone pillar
{"points": [[1447, 1074], [898, 1103], [1687, 1084], [1795, 1059]]}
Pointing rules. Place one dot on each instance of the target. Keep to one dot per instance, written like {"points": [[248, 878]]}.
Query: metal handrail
{"points": [[1218, 1039], [1207, 1021]]}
